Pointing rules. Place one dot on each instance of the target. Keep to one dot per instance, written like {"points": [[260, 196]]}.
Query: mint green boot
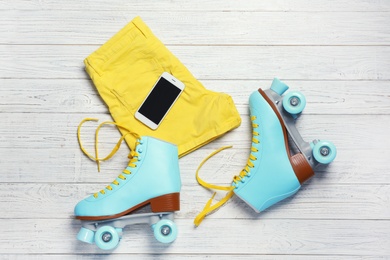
{"points": [[273, 172], [152, 178]]}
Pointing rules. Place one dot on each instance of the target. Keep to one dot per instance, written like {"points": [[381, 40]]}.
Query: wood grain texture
{"points": [[203, 5], [266, 236], [336, 52], [61, 132], [253, 28], [79, 95], [251, 62], [314, 201], [179, 256]]}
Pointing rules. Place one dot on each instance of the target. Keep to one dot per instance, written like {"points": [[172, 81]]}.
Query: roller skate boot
{"points": [[272, 172], [152, 178]]}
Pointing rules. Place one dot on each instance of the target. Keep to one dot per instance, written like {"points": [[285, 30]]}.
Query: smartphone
{"points": [[159, 101]]}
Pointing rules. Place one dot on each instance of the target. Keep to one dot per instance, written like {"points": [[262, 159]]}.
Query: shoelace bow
{"points": [[133, 156], [208, 208]]}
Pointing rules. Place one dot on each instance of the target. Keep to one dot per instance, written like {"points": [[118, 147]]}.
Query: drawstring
{"points": [[208, 208], [116, 147]]}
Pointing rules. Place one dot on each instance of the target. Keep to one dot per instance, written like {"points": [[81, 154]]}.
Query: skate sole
{"points": [[299, 162], [165, 203]]}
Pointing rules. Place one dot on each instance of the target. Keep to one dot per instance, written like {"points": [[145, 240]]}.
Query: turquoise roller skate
{"points": [[272, 172], [152, 178]]}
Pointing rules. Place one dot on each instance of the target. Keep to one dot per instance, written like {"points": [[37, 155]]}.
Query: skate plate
{"points": [[290, 107], [106, 234]]}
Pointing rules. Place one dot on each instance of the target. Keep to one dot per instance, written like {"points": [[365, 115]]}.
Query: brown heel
{"points": [[301, 167], [168, 202]]}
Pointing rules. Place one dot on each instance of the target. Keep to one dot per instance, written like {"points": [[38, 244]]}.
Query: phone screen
{"points": [[159, 100]]}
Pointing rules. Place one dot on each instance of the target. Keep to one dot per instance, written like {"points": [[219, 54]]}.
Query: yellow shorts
{"points": [[125, 69]]}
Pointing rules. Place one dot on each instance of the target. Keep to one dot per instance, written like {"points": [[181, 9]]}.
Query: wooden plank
{"points": [[323, 97], [147, 256], [250, 62], [202, 5], [53, 147], [313, 201], [70, 166], [266, 236], [216, 28], [32, 130]]}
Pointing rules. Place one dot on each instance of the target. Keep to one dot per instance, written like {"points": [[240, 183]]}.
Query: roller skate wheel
{"points": [[165, 231], [294, 102], [106, 238], [86, 235], [324, 152], [278, 87]]}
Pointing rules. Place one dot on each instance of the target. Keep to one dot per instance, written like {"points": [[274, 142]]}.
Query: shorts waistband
{"points": [[118, 42]]}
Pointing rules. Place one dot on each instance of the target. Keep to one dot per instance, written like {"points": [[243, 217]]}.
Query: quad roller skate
{"points": [[273, 172], [152, 178]]}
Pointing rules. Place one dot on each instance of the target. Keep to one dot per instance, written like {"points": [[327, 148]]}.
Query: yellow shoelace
{"points": [[208, 209], [133, 156], [133, 159], [249, 165]]}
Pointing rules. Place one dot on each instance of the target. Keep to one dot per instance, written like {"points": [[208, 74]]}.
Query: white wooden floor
{"points": [[337, 52]]}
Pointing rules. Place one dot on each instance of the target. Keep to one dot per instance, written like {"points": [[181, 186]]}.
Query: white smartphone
{"points": [[159, 101]]}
